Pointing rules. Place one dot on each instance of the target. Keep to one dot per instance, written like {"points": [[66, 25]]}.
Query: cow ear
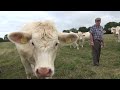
{"points": [[19, 37], [67, 38]]}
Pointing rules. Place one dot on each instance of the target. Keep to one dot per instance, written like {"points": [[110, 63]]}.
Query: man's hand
{"points": [[102, 44]]}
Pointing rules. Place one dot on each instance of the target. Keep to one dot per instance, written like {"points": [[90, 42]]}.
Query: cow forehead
{"points": [[117, 30], [44, 34], [44, 41]]}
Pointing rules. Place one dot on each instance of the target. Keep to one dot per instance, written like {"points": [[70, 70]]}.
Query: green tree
{"points": [[73, 30], [83, 29], [88, 29], [119, 24], [110, 25], [67, 31], [1, 40]]}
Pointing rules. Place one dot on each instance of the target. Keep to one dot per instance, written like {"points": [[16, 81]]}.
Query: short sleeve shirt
{"points": [[97, 32]]}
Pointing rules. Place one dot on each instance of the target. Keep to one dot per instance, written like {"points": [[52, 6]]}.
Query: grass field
{"points": [[69, 63]]}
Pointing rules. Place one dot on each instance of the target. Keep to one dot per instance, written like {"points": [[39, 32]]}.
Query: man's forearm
{"points": [[91, 38], [102, 41]]}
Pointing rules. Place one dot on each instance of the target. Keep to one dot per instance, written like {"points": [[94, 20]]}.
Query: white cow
{"points": [[117, 33], [83, 36], [113, 30], [37, 44], [75, 44], [86, 36], [80, 38], [78, 42]]}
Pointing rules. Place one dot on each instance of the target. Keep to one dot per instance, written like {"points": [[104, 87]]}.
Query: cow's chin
{"points": [[116, 35], [44, 77]]}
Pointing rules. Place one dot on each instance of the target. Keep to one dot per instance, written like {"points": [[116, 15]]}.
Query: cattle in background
{"points": [[79, 41], [116, 32], [113, 30], [86, 37], [80, 38], [37, 44], [75, 44]]}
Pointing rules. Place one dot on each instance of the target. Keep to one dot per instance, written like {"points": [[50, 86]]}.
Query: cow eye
{"points": [[32, 43], [56, 44]]}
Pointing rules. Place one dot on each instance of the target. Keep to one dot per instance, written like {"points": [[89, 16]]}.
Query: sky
{"points": [[11, 21]]}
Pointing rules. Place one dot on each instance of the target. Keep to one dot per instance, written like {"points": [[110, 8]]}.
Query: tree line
{"points": [[5, 39], [107, 28]]}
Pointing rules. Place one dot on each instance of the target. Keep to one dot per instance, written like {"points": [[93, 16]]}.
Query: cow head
{"points": [[113, 30], [117, 30], [80, 35], [44, 45]]}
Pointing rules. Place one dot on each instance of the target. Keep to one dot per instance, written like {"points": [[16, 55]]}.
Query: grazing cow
{"points": [[74, 44], [117, 33], [77, 43], [86, 36], [80, 42], [37, 44], [113, 30]]}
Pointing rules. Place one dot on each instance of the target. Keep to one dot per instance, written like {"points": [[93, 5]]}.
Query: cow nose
{"points": [[44, 72]]}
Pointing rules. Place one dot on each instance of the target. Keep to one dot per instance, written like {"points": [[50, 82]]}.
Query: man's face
{"points": [[98, 22]]}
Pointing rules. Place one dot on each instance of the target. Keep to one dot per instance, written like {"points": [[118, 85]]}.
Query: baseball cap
{"points": [[98, 19]]}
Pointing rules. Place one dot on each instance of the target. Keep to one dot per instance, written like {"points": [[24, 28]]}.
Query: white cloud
{"points": [[13, 20]]}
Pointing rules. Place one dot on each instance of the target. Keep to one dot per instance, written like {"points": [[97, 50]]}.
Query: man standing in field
{"points": [[96, 40]]}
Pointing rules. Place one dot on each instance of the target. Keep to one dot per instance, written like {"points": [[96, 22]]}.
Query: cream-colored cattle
{"points": [[80, 42], [117, 33], [113, 30], [86, 36], [76, 43], [37, 44]]}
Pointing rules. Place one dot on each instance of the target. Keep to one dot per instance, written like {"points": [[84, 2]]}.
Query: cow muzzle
{"points": [[116, 34], [44, 72]]}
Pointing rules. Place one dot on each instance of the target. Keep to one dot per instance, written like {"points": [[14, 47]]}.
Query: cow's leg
{"points": [[33, 69], [118, 38], [81, 43], [70, 46], [27, 66], [83, 40], [78, 42], [74, 45], [77, 46]]}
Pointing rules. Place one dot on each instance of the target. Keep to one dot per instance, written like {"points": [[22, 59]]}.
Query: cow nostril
{"points": [[50, 71], [37, 71], [44, 72]]}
